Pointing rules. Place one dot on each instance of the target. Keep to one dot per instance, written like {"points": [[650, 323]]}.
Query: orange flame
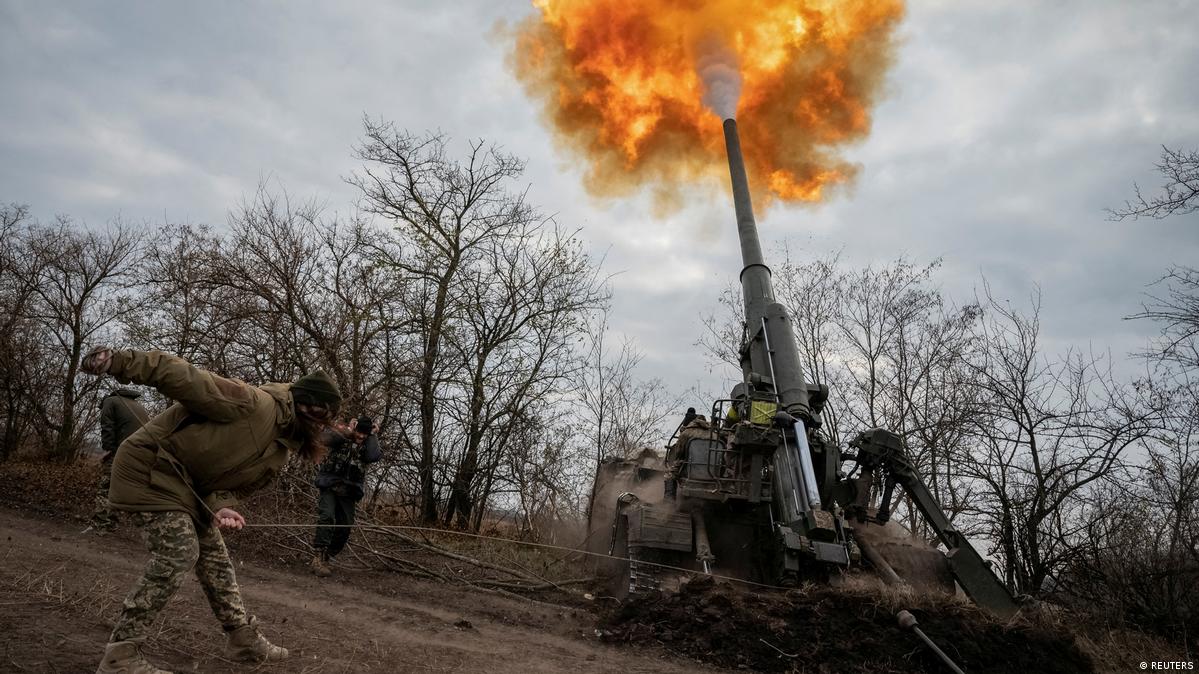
{"points": [[620, 86]]}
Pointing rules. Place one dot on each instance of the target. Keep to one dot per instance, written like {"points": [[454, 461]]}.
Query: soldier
{"points": [[688, 417], [340, 478], [120, 415], [693, 426], [182, 473]]}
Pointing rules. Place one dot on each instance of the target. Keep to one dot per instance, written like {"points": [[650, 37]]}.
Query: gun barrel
{"points": [[756, 287], [772, 354], [747, 228]]}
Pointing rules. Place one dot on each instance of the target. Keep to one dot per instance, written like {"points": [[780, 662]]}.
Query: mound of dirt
{"points": [[825, 629], [50, 488]]}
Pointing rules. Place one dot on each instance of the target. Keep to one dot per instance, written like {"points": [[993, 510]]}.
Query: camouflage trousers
{"points": [[175, 548], [104, 517]]}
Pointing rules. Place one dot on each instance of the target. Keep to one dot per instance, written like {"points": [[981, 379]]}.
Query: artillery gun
{"points": [[755, 491]]}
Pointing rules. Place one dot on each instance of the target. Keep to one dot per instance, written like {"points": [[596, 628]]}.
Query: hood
{"points": [[283, 402]]}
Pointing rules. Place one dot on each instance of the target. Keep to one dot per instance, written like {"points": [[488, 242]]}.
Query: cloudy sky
{"points": [[1008, 127]]}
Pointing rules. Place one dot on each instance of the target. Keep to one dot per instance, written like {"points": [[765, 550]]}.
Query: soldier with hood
{"points": [[181, 475], [120, 415]]}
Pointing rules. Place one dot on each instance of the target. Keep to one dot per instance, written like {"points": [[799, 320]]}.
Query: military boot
{"points": [[246, 644], [125, 657], [320, 565]]}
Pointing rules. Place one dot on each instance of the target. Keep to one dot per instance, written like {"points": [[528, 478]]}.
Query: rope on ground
{"points": [[398, 527], [385, 528]]}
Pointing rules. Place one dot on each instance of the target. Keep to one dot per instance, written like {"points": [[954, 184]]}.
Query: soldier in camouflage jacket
{"points": [[182, 473]]}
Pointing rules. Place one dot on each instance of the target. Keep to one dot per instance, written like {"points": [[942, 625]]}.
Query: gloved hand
{"points": [[97, 360]]}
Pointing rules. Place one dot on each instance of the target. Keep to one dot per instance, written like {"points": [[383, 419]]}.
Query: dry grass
{"points": [[50, 488], [1111, 648], [1118, 649]]}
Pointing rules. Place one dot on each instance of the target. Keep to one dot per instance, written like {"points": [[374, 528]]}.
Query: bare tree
{"points": [[308, 292], [1050, 431], [618, 412], [25, 361], [183, 309], [1176, 311], [273, 267], [1138, 560], [541, 465], [448, 209], [1180, 193], [523, 308], [76, 276]]}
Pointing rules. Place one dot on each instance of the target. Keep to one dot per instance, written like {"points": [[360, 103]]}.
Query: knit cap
{"points": [[316, 388]]}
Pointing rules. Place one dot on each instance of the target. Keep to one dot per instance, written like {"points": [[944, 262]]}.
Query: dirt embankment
{"points": [[822, 629]]}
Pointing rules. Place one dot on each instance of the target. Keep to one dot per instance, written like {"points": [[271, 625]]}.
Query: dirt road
{"points": [[60, 591]]}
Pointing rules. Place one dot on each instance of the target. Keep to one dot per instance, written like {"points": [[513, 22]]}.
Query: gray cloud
{"points": [[1008, 128]]}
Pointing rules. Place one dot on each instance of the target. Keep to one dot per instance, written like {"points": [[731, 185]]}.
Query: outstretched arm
{"points": [[200, 391]]}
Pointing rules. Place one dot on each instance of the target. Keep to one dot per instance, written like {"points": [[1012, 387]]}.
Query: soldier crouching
{"points": [[182, 473]]}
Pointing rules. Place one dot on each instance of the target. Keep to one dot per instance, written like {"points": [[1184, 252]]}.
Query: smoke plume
{"points": [[717, 67], [636, 91]]}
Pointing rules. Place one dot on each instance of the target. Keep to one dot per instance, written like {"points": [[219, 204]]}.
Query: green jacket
{"points": [[120, 415], [221, 441]]}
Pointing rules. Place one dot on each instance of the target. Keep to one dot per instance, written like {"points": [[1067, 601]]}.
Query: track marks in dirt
{"points": [[60, 591]]}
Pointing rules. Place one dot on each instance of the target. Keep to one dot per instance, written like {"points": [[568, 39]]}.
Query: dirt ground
{"points": [[61, 589], [818, 628]]}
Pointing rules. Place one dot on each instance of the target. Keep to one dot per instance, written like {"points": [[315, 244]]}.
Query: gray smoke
{"points": [[717, 67]]}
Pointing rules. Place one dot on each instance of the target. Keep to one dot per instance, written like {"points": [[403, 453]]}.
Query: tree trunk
{"points": [[477, 520], [64, 447], [428, 396], [8, 443], [460, 501]]}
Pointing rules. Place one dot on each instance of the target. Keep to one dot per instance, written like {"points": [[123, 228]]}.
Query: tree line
{"points": [[468, 324]]}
